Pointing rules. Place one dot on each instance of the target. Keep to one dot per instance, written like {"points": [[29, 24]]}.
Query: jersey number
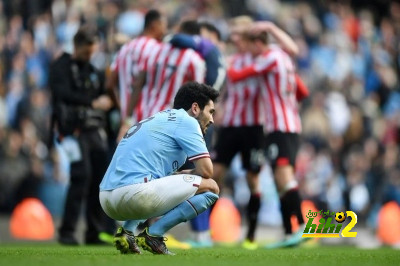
{"points": [[171, 69], [135, 128]]}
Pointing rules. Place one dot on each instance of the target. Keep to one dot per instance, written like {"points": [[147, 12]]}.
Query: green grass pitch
{"points": [[56, 255]]}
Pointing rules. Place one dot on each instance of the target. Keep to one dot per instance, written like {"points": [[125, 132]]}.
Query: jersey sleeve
{"points": [[189, 137], [184, 41], [215, 70], [263, 64]]}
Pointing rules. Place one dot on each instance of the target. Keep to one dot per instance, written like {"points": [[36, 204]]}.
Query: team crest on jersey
{"points": [[188, 178]]}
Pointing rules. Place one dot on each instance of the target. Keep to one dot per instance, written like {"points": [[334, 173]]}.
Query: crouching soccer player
{"points": [[141, 181]]}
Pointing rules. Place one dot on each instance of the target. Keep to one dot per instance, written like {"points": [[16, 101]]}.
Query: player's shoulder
{"points": [[148, 41], [194, 56], [187, 51], [184, 123], [181, 113], [272, 53], [184, 117]]}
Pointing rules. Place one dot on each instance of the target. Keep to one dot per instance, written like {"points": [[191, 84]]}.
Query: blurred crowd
{"points": [[349, 58]]}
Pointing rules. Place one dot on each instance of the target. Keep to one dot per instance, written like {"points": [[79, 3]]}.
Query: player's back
{"points": [[128, 63], [167, 69], [278, 85], [280, 69], [242, 105], [148, 150]]}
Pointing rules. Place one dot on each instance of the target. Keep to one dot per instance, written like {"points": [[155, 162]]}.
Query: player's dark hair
{"points": [[85, 35], [262, 37], [151, 16], [194, 92], [191, 27], [210, 27]]}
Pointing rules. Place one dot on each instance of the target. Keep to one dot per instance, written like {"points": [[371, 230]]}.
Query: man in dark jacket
{"points": [[80, 107]]}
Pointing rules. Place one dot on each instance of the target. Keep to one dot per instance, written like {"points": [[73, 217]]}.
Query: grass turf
{"points": [[56, 255]]}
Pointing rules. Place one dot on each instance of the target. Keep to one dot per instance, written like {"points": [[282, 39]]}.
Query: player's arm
{"points": [[111, 83], [137, 87], [184, 41], [189, 137], [283, 39], [302, 91], [215, 69], [203, 168], [262, 65], [112, 87]]}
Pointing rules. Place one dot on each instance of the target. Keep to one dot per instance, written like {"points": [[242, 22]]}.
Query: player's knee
{"points": [[208, 185], [210, 198], [214, 188]]}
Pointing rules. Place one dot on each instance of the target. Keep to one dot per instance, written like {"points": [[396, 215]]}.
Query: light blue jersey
{"points": [[154, 148]]}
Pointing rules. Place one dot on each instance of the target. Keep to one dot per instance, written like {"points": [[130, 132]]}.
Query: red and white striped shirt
{"points": [[128, 63], [167, 69], [275, 72], [243, 104]]}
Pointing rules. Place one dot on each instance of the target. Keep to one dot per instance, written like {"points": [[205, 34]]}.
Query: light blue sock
{"points": [[185, 211], [131, 225]]}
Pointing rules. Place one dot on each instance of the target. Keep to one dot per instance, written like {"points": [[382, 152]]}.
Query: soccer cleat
{"points": [[154, 244], [68, 241], [292, 240], [125, 242], [250, 245]]}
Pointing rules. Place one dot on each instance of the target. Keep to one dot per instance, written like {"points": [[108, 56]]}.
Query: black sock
{"points": [[252, 214], [291, 204], [286, 213], [296, 201]]}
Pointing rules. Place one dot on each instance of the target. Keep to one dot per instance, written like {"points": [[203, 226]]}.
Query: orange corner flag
{"points": [[225, 222], [388, 231], [31, 220]]}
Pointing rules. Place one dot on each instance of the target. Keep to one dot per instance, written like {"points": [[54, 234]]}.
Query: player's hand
{"points": [[183, 172], [103, 102], [218, 115]]}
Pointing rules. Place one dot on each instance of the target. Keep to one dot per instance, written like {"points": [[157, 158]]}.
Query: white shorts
{"points": [[151, 199]]}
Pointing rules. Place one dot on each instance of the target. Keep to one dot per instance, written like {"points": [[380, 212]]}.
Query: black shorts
{"points": [[282, 148], [246, 140]]}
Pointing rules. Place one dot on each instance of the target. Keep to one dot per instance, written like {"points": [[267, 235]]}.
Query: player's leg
{"points": [[200, 225], [222, 155], [252, 156], [205, 196], [198, 202], [226, 147], [253, 208], [132, 225], [282, 150], [114, 205]]}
